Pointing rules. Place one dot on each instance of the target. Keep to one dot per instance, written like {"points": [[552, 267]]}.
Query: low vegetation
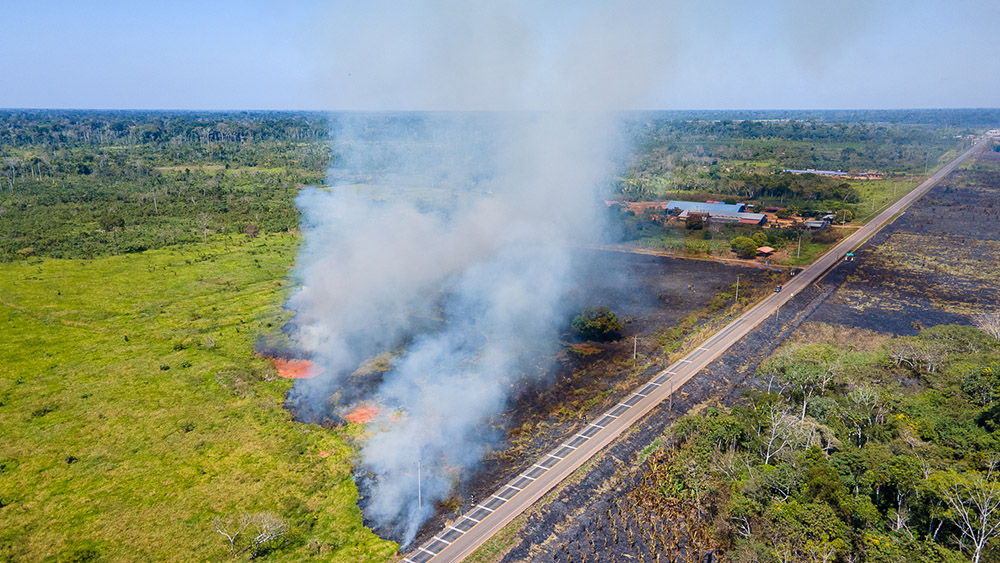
{"points": [[597, 323], [136, 414]]}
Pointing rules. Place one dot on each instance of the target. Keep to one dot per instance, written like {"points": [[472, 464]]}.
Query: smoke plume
{"points": [[444, 237]]}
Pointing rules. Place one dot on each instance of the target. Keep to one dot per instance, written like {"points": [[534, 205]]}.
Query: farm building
{"points": [[718, 212], [834, 173], [706, 208], [815, 224]]}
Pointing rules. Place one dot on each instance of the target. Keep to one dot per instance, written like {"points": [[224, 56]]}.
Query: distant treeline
{"points": [[65, 128], [976, 118], [79, 184]]}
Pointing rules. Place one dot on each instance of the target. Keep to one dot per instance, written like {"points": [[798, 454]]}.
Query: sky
{"points": [[381, 55]]}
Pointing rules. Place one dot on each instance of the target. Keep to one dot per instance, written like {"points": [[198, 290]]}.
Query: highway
{"points": [[472, 529]]}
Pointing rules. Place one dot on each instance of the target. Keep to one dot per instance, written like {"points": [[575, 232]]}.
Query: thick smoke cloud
{"points": [[445, 237]]}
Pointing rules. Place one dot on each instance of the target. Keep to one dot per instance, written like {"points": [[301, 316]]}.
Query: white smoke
{"points": [[445, 237]]}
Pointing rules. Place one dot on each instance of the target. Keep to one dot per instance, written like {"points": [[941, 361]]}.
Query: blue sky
{"points": [[451, 54]]}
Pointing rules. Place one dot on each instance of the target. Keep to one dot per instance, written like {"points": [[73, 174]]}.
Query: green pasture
{"points": [[134, 411]]}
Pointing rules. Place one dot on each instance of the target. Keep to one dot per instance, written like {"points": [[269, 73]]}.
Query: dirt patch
{"points": [[295, 369]]}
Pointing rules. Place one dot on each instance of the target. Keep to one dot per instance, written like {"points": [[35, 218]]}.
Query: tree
{"points": [[744, 247], [983, 386], [112, 223], [26, 252], [694, 222], [844, 216], [269, 527], [203, 219], [231, 528], [973, 501], [760, 237], [597, 323], [988, 322], [251, 233]]}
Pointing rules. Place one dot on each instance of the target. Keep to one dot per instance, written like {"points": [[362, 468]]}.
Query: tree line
{"points": [[85, 184]]}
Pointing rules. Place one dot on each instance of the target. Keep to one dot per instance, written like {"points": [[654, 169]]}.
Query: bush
{"points": [[744, 247], [597, 323]]}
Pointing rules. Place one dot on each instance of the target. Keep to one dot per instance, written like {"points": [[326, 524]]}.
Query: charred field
{"points": [[933, 265], [936, 264]]}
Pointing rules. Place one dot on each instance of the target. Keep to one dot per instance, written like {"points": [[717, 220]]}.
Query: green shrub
{"points": [[597, 323]]}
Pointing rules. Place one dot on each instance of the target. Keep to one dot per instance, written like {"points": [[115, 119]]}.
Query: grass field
{"points": [[134, 411]]}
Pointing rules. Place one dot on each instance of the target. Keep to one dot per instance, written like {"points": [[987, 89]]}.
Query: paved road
{"points": [[469, 531]]}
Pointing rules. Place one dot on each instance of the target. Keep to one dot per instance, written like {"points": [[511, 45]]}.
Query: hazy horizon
{"points": [[340, 56]]}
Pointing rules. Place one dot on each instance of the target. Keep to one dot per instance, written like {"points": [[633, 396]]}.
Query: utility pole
{"points": [[635, 346], [420, 504], [798, 253], [738, 289]]}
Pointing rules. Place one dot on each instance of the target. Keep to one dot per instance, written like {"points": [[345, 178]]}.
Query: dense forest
{"points": [[82, 184], [731, 157]]}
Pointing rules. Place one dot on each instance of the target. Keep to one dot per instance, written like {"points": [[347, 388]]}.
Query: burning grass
{"points": [[295, 369], [362, 414]]}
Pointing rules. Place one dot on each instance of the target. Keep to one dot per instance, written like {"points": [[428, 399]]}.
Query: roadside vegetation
{"points": [[849, 447]]}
